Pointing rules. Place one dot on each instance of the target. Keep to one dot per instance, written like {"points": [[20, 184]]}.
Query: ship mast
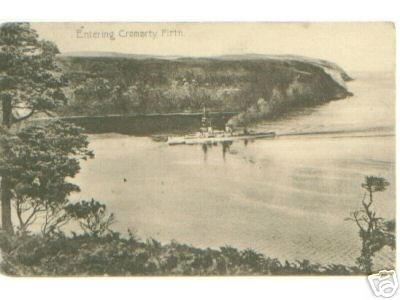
{"points": [[204, 118]]}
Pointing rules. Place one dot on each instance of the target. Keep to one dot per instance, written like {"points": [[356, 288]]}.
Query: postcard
{"points": [[197, 149]]}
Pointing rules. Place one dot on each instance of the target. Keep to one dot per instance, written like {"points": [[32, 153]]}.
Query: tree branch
{"points": [[19, 213], [358, 221], [33, 214]]}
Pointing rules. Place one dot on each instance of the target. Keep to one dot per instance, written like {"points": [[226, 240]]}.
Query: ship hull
{"points": [[218, 139]]}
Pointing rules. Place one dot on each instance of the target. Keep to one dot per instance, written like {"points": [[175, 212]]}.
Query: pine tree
{"points": [[30, 82]]}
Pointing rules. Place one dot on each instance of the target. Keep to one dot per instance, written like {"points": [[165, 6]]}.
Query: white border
{"points": [[200, 10]]}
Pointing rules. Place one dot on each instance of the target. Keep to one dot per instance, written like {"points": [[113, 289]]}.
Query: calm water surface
{"points": [[287, 197]]}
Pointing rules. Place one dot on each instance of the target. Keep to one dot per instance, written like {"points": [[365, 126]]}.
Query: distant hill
{"points": [[250, 56], [258, 85], [112, 54]]}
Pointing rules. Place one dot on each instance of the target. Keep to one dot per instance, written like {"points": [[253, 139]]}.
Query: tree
{"points": [[37, 162], [96, 95], [30, 82], [374, 232]]}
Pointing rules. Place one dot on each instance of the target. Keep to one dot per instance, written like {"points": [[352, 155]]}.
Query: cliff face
{"points": [[257, 86]]}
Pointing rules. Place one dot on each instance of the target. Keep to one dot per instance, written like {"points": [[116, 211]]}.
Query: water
{"points": [[287, 197]]}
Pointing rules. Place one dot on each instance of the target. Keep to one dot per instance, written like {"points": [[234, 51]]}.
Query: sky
{"points": [[353, 46]]}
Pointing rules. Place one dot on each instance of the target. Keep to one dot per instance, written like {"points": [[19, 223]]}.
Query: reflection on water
{"points": [[286, 197], [225, 147]]}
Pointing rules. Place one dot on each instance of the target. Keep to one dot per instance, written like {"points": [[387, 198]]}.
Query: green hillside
{"points": [[259, 86]]}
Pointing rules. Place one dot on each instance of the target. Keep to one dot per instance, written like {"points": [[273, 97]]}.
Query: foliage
{"points": [[30, 81], [30, 78], [375, 232], [96, 96], [374, 184], [129, 86], [114, 255], [38, 161], [91, 216]]}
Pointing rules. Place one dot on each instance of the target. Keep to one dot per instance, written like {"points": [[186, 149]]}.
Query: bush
{"points": [[113, 255]]}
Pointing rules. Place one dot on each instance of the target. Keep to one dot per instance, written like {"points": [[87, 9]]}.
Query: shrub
{"points": [[113, 255]]}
